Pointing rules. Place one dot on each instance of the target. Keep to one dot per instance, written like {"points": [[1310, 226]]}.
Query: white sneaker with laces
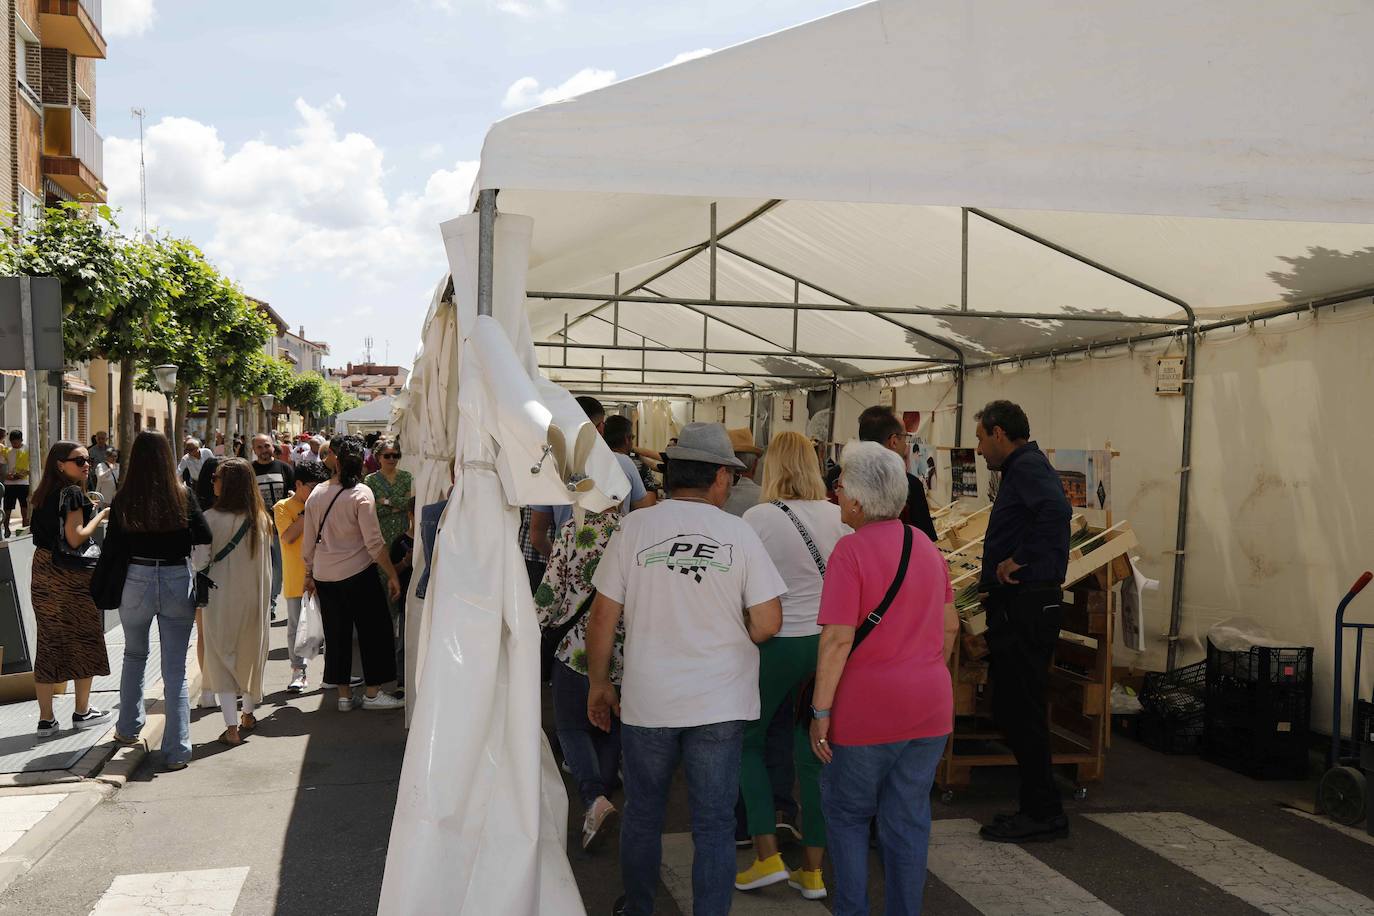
{"points": [[298, 683], [383, 701]]}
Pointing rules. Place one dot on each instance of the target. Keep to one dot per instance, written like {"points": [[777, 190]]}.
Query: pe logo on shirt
{"points": [[688, 554]]}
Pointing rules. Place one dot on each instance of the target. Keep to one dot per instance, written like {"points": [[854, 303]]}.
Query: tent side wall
{"points": [[1281, 460]]}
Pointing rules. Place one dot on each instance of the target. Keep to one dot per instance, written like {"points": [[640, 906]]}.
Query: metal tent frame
{"points": [[1187, 329]]}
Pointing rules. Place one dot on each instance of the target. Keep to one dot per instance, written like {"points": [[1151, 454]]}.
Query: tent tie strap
{"points": [[479, 465]]}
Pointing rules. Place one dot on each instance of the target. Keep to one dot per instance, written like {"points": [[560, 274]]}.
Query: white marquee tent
{"points": [[910, 186]]}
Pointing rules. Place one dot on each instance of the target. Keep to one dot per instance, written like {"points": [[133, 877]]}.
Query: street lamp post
{"points": [[167, 381], [268, 402]]}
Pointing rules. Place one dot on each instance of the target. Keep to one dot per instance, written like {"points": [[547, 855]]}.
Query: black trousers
{"points": [[1023, 626], [357, 602]]}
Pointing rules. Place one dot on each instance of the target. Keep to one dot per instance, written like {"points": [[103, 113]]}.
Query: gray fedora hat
{"points": [[708, 443]]}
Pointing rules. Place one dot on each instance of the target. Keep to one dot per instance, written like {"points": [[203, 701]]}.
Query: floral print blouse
{"points": [[567, 583]]}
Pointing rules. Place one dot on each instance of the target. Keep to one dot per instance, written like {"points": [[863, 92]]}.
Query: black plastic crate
{"points": [[1173, 705], [1261, 666], [1169, 736], [1258, 753]]}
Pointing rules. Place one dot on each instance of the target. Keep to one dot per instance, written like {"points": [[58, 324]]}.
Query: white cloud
{"points": [[313, 206], [691, 55], [526, 92], [525, 9], [127, 18]]}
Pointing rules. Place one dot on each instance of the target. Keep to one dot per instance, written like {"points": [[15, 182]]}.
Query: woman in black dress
{"points": [[71, 633]]}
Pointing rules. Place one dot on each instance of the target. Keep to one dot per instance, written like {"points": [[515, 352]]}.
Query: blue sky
{"points": [[312, 148]]}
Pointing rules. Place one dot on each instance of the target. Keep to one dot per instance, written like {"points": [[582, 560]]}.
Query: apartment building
{"points": [[369, 381], [304, 354], [50, 150]]}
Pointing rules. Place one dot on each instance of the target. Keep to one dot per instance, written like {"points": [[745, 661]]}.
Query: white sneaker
{"points": [[597, 819], [383, 701], [298, 683], [345, 705]]}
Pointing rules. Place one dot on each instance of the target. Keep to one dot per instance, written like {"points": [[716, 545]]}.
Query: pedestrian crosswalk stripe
{"points": [[207, 892], [677, 878], [1002, 878], [21, 813], [1355, 833], [1267, 882]]}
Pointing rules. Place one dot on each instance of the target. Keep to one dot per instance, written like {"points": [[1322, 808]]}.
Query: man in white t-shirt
{"points": [[193, 458], [698, 591]]}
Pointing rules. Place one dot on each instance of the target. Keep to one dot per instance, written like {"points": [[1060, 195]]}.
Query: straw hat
{"points": [[742, 441]]}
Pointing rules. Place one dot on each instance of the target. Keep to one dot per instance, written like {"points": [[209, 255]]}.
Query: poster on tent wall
{"points": [[963, 473], [1086, 477], [920, 458]]}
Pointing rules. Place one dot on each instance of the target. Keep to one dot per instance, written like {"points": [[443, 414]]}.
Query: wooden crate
{"points": [[1107, 545]]}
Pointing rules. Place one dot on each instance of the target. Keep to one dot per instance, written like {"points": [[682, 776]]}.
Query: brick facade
{"points": [[57, 77]]}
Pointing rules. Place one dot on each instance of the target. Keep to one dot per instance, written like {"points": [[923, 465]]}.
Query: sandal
{"points": [[235, 741], [247, 723]]}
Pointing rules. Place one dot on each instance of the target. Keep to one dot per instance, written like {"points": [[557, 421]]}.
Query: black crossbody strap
{"points": [[875, 617], [805, 534], [229, 548], [319, 535]]}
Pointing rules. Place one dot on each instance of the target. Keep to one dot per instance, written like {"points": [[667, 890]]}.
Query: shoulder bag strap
{"points": [[319, 535], [805, 534], [229, 548], [876, 616]]}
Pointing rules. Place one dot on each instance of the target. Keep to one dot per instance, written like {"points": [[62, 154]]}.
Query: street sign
{"points": [[46, 295]]}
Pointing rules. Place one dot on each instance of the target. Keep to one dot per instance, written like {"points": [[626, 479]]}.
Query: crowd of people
{"points": [[784, 634], [210, 541]]}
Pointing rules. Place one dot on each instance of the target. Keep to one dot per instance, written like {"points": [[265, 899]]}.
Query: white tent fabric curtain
{"points": [[426, 419], [481, 815]]}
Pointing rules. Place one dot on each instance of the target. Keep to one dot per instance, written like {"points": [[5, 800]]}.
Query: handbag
{"points": [[203, 581], [65, 556], [550, 638], [874, 618], [107, 582]]}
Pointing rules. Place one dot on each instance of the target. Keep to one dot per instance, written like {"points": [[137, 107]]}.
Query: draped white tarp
{"points": [[426, 419], [1216, 152], [481, 813]]}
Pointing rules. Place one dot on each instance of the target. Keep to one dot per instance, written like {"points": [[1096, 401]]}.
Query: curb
{"points": [[48, 832]]}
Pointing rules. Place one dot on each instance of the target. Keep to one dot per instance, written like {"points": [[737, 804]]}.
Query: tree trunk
{"points": [[233, 421], [211, 413], [183, 408], [126, 404]]}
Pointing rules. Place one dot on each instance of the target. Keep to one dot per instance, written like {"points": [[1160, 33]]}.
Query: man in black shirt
{"points": [[276, 481], [880, 425], [1025, 557]]}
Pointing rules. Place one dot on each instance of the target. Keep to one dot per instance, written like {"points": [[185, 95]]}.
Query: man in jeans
{"points": [[1025, 557], [697, 591]]}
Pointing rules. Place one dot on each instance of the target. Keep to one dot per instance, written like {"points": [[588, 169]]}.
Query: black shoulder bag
{"points": [[203, 581], [874, 618], [551, 637], [64, 556]]}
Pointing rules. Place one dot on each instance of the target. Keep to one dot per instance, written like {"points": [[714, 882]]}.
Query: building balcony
{"points": [[73, 153], [73, 25]]}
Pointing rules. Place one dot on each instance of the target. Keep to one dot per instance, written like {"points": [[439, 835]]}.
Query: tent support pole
{"points": [[752, 403], [807, 377], [834, 408], [712, 243], [796, 313], [1184, 475], [643, 358], [959, 407], [486, 248], [705, 328], [963, 307], [615, 312], [565, 338], [731, 351]]}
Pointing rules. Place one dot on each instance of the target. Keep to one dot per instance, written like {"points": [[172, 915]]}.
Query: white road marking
{"points": [[1267, 882], [209, 892], [21, 813], [1002, 878], [1355, 833], [677, 877]]}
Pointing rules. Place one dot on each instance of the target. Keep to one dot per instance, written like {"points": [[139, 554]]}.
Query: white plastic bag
{"points": [[309, 629]]}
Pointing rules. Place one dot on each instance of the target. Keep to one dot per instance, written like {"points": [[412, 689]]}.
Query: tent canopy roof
{"points": [[1211, 152]]}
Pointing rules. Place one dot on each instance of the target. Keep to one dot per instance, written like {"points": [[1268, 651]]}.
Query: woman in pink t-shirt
{"points": [[884, 709]]}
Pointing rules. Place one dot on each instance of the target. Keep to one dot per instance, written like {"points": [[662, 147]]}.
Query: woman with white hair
{"points": [[883, 703]]}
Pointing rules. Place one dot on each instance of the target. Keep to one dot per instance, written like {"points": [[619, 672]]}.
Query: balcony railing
{"points": [[73, 152]]}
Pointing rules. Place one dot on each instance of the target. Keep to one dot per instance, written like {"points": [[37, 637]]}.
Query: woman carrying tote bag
{"points": [[71, 632], [154, 524], [239, 562]]}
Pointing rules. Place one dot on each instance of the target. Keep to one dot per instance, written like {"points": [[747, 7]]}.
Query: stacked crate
{"points": [[1258, 708]]}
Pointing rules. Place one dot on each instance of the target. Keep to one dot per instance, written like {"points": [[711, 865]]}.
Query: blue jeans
{"points": [[891, 782], [162, 593], [592, 755], [711, 757], [276, 566]]}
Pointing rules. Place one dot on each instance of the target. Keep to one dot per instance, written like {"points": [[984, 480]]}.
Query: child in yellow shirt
{"points": [[289, 515]]}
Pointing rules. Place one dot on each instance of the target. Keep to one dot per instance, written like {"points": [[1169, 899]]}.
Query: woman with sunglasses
{"points": [[71, 632], [239, 561], [393, 489], [155, 522]]}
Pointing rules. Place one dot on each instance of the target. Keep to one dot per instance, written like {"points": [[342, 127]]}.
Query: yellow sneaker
{"points": [[810, 883], [762, 873]]}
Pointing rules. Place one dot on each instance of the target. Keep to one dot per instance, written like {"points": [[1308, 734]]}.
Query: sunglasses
{"points": [[78, 461], [392, 456]]}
